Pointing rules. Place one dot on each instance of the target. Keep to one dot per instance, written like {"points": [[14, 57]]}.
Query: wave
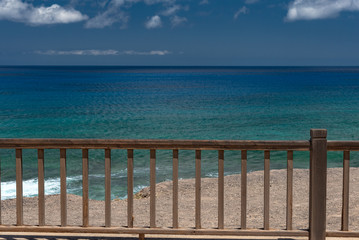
{"points": [[74, 185], [52, 186], [30, 188]]}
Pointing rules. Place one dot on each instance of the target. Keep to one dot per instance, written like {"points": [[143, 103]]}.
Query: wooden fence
{"points": [[317, 146]]}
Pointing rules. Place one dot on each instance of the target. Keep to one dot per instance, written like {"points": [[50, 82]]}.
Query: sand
{"points": [[209, 203]]}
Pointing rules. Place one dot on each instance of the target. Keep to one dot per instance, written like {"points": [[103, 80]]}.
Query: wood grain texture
{"points": [[157, 144], [130, 188], [19, 196], [63, 187], [152, 188], [107, 188], [0, 193], [289, 212], [243, 189], [318, 185], [175, 223], [220, 189], [198, 190], [266, 188], [180, 231], [345, 203], [343, 145], [41, 186], [85, 187]]}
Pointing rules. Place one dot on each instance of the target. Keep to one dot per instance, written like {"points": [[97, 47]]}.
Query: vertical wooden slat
{"points": [[41, 186], [19, 201], [198, 189], [220, 189], [63, 192], [107, 187], [175, 190], [0, 192], [289, 215], [85, 188], [266, 188], [318, 184], [310, 188], [345, 204], [130, 188], [141, 236], [243, 189], [152, 188]]}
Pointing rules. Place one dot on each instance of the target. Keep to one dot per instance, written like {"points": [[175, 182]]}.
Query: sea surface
{"points": [[233, 103]]}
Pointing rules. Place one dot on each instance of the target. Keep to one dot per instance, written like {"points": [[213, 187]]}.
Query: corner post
{"points": [[318, 184]]}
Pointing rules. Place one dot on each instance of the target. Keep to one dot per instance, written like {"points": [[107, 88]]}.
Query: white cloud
{"points": [[203, 2], [80, 52], [111, 15], [171, 10], [319, 9], [108, 18], [171, 13], [251, 1], [153, 52], [242, 10], [154, 22], [18, 11], [109, 52], [176, 20], [151, 2], [115, 11]]}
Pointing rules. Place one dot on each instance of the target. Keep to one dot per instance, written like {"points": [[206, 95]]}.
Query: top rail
{"points": [[343, 146], [154, 144], [171, 144]]}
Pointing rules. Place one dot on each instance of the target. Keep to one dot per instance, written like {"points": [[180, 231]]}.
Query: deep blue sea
{"points": [[246, 103]]}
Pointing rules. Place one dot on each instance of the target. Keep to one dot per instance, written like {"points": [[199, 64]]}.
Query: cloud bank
{"points": [[109, 52], [110, 12], [319, 9], [18, 11]]}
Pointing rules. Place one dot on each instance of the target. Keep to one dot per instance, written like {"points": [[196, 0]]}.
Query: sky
{"points": [[180, 32]]}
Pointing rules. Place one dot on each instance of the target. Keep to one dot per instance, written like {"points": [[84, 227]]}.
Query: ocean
{"points": [[232, 103]]}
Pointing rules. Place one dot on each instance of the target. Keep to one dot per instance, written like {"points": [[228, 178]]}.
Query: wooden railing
{"points": [[346, 147], [318, 147]]}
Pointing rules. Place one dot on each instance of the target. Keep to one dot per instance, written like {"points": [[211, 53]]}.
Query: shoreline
{"points": [[208, 204]]}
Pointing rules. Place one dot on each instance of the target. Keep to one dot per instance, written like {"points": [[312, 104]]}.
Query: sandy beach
{"points": [[209, 203]]}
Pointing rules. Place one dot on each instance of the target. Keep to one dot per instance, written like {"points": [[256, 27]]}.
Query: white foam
{"points": [[212, 175], [30, 188], [52, 186]]}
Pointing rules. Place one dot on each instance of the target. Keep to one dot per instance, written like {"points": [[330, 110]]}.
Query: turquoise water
{"points": [[268, 103]]}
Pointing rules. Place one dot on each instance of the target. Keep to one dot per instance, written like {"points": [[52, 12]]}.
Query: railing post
{"points": [[318, 184]]}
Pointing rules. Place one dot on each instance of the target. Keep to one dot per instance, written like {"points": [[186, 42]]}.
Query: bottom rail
{"points": [[166, 231], [342, 234]]}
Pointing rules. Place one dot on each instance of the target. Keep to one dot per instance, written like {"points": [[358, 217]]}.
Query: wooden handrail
{"points": [[154, 144], [343, 145], [40, 143]]}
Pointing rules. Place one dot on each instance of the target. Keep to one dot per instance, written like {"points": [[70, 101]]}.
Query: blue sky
{"points": [[179, 32]]}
